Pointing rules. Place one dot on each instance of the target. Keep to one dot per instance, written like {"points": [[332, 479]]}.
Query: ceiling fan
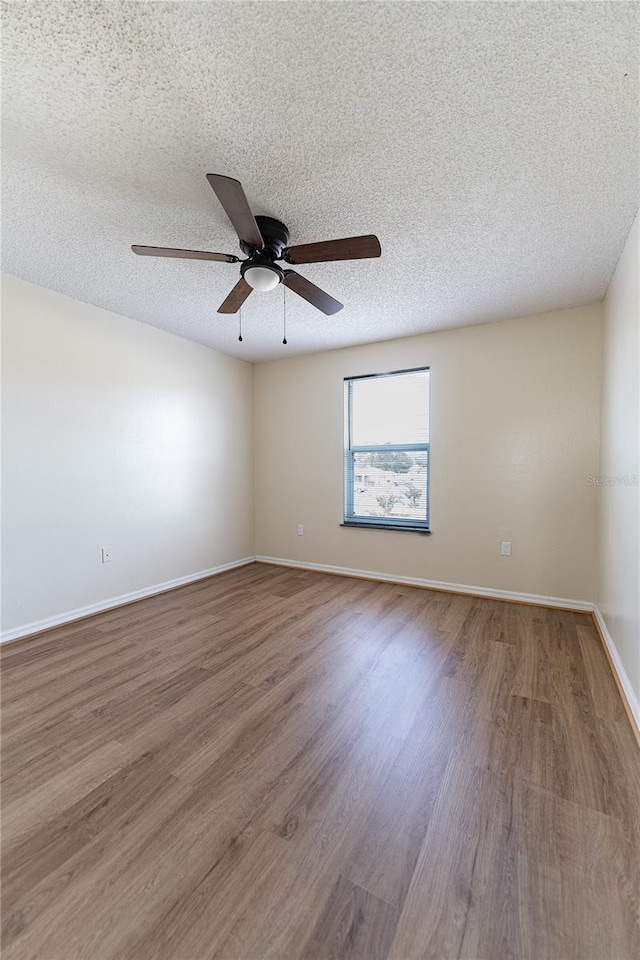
{"points": [[264, 240]]}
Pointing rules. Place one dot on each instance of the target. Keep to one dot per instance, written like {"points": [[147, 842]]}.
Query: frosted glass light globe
{"points": [[261, 278]]}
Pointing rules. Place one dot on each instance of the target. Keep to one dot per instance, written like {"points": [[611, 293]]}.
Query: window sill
{"points": [[386, 526]]}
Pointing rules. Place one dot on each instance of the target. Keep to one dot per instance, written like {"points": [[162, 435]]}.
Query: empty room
{"points": [[320, 609]]}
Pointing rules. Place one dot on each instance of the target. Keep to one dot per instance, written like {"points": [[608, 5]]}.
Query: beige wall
{"points": [[117, 434], [514, 436], [619, 513], [114, 434]]}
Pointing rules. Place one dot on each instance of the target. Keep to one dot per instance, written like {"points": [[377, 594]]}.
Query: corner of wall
{"points": [[618, 495]]}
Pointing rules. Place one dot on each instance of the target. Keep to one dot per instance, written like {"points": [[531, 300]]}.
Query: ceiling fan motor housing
{"points": [[275, 235]]}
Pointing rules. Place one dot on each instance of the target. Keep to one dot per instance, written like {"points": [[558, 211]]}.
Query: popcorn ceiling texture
{"points": [[492, 147]]}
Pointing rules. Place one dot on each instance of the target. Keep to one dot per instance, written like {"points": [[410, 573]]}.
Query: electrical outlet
{"points": [[301, 529], [107, 554], [505, 548]]}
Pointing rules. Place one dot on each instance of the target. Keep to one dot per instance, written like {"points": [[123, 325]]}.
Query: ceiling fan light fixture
{"points": [[262, 278]]}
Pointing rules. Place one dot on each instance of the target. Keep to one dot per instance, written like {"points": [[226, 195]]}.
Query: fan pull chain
{"points": [[284, 314], [240, 327]]}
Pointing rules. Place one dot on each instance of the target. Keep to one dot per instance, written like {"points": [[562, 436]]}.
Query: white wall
{"points": [[619, 502], [116, 434], [514, 436]]}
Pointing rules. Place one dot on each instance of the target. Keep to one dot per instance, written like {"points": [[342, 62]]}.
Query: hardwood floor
{"points": [[281, 764]]}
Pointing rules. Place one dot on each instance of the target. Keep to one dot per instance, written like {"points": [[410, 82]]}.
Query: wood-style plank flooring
{"points": [[281, 764]]}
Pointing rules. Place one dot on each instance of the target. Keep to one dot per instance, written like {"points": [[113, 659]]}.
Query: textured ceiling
{"points": [[492, 147]]}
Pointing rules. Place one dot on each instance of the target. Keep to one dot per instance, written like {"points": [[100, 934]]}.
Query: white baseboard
{"points": [[623, 680], [38, 625], [489, 592]]}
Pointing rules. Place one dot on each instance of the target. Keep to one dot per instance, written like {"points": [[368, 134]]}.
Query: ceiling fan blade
{"points": [[236, 298], [183, 254], [308, 291], [351, 248], [236, 206]]}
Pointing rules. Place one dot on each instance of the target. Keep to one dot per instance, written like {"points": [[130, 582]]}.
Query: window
{"points": [[386, 473]]}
